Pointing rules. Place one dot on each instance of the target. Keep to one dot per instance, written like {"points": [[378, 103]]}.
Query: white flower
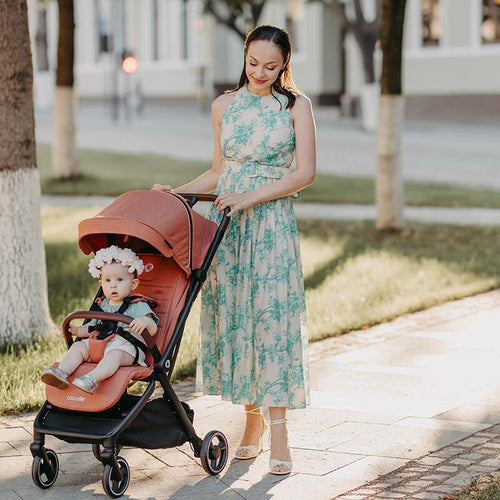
{"points": [[123, 256]]}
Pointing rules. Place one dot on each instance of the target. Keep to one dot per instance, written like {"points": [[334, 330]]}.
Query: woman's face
{"points": [[263, 63]]}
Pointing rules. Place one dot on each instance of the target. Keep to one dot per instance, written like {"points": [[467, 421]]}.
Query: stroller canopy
{"points": [[164, 220]]}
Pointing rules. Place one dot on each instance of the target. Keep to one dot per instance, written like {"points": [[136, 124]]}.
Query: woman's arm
{"points": [[207, 182], [305, 160]]}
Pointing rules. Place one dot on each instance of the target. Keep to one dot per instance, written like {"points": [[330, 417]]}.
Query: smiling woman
{"points": [[253, 346]]}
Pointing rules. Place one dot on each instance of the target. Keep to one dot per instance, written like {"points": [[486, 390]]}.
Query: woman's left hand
{"points": [[236, 201]]}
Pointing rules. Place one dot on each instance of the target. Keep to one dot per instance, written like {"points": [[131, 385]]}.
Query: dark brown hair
{"points": [[284, 84]]}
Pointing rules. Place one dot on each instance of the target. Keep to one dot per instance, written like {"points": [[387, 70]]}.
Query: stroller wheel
{"points": [[44, 472], [214, 452], [113, 486]]}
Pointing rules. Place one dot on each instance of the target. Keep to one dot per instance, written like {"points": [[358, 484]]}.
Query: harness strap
{"points": [[108, 328]]}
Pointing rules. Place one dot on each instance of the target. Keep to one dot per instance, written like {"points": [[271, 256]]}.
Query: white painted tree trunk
{"points": [[390, 190], [64, 158], [369, 101], [24, 309]]}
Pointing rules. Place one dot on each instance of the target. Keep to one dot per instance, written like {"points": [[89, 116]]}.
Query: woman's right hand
{"points": [[160, 187]]}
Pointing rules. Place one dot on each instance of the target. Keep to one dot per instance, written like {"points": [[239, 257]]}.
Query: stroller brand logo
{"points": [[80, 399]]}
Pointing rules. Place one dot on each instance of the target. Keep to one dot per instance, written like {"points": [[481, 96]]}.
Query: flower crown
{"points": [[123, 256]]}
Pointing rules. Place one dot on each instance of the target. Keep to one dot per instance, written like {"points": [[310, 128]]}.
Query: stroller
{"points": [[177, 246]]}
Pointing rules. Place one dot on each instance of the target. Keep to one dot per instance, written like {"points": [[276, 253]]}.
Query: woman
{"points": [[253, 345]]}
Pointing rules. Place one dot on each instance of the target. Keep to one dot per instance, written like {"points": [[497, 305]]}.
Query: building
{"points": [[451, 58]]}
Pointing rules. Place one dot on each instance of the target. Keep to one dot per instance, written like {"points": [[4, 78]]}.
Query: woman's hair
{"points": [[284, 84]]}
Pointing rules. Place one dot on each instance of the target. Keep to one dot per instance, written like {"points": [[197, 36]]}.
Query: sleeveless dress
{"points": [[253, 334]]}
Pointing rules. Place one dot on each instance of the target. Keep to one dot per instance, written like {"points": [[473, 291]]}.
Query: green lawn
{"points": [[486, 487], [354, 277], [106, 173]]}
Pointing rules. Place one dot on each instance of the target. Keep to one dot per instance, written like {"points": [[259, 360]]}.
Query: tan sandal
{"points": [[248, 451], [275, 463]]}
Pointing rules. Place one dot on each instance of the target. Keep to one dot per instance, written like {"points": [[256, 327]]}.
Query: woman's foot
{"points": [[280, 462], [55, 377], [254, 430]]}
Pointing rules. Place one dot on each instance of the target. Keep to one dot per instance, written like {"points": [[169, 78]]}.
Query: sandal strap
{"points": [[254, 411], [280, 421]]}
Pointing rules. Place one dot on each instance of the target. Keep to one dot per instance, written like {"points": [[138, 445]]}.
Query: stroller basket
{"points": [[156, 426]]}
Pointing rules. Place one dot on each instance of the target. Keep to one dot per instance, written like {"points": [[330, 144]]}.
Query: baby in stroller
{"points": [[110, 344]]}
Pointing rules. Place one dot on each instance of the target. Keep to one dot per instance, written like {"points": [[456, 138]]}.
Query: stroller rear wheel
{"points": [[113, 486], [214, 452], [44, 472]]}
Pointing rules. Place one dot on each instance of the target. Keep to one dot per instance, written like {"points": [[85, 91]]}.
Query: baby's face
{"points": [[117, 282]]}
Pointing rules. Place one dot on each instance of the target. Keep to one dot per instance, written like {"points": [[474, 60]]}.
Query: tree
{"points": [[64, 158], [237, 15], [390, 191], [41, 37], [365, 32], [23, 287]]}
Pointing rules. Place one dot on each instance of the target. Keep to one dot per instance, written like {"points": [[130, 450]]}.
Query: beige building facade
{"points": [[451, 57]]}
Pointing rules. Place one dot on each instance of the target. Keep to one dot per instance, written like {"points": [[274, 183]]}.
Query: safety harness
{"points": [[104, 331]]}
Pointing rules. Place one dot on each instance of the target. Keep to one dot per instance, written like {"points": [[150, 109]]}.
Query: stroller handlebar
{"points": [[105, 316], [194, 198]]}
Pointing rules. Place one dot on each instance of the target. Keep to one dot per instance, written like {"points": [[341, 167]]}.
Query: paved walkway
{"points": [[408, 409], [429, 215]]}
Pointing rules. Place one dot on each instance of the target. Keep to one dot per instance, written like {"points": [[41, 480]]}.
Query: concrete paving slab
{"points": [[452, 425], [9, 495], [400, 406], [488, 414], [15, 472], [400, 442], [7, 450], [13, 434]]}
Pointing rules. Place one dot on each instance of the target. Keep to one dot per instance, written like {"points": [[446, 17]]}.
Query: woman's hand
{"points": [[236, 201], [160, 187]]}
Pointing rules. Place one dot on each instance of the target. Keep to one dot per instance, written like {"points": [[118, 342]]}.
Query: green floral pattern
{"points": [[253, 334]]}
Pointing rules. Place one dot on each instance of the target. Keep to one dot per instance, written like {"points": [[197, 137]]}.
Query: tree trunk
{"points": [[64, 159], [41, 40], [23, 287], [390, 190]]}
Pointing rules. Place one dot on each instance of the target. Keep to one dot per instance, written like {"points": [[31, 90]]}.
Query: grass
{"points": [[108, 173], [354, 277], [486, 487]]}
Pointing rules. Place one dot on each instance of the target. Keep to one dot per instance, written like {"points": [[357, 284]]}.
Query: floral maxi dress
{"points": [[253, 335]]}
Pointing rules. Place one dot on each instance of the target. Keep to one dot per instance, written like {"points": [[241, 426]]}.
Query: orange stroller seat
{"points": [[167, 284]]}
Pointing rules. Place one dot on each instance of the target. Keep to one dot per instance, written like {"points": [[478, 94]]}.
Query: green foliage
{"points": [[111, 174], [486, 487], [354, 277]]}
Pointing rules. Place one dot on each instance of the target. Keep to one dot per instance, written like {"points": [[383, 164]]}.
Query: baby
{"points": [[117, 269]]}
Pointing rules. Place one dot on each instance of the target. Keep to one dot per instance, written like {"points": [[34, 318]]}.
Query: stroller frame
{"points": [[104, 428]]}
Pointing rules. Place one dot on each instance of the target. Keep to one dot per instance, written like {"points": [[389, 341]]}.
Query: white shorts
{"points": [[121, 344]]}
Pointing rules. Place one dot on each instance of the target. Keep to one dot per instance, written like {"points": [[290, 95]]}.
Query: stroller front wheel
{"points": [[214, 452], [113, 486], [44, 471]]}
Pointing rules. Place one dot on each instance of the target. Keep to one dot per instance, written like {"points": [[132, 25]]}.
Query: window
{"points": [[431, 23], [103, 12], [490, 21], [294, 13]]}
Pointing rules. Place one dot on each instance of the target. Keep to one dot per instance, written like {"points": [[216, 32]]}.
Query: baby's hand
{"points": [[138, 325], [73, 330]]}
